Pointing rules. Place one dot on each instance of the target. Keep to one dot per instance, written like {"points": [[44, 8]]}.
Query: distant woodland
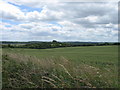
{"points": [[53, 44]]}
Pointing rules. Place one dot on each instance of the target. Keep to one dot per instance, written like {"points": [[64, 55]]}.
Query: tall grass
{"points": [[21, 71]]}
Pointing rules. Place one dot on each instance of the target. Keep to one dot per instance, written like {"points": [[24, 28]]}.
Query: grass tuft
{"points": [[22, 71]]}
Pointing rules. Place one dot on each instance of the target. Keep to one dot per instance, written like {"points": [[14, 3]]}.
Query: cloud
{"points": [[60, 20], [8, 11]]}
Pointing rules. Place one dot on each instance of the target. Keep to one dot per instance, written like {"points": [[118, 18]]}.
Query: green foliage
{"points": [[53, 44]]}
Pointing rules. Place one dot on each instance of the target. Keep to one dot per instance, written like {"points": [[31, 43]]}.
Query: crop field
{"points": [[69, 67]]}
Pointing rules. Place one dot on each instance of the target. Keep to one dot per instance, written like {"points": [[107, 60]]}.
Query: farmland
{"points": [[95, 65]]}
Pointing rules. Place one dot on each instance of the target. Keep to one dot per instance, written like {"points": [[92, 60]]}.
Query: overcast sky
{"points": [[33, 20]]}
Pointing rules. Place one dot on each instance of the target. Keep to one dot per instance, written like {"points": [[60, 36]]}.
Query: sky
{"points": [[36, 20]]}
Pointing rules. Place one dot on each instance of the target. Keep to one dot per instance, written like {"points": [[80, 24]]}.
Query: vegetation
{"points": [[70, 67], [53, 44]]}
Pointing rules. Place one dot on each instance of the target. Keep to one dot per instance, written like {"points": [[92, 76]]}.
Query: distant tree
{"points": [[54, 41], [9, 45], [106, 43], [116, 43]]}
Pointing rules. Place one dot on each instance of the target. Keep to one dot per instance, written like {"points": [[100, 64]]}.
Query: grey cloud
{"points": [[76, 13]]}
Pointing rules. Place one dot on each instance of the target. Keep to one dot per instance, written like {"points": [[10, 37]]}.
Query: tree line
{"points": [[54, 44]]}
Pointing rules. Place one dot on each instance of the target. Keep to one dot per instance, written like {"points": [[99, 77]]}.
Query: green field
{"points": [[99, 54], [89, 58]]}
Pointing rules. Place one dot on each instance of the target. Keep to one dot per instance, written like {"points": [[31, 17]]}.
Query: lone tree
{"points": [[54, 41]]}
